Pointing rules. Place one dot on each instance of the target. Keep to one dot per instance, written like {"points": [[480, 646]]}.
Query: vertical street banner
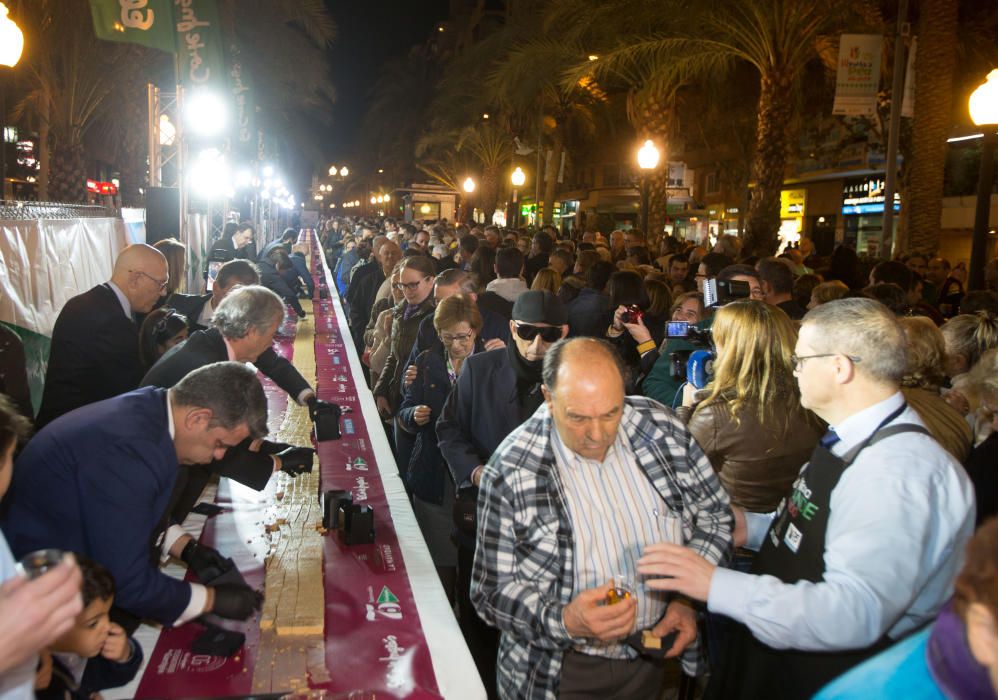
{"points": [[908, 103], [199, 44], [145, 22], [243, 132], [857, 79]]}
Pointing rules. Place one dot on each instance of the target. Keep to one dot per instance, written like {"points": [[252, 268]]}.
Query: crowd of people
{"points": [[779, 472], [149, 395], [772, 468]]}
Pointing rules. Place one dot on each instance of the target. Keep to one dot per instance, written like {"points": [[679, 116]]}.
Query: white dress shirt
{"points": [[899, 520]]}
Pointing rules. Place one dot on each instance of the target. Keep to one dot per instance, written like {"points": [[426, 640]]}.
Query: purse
{"points": [[466, 510]]}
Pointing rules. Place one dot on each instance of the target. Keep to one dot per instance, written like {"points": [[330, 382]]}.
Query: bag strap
{"points": [[883, 434]]}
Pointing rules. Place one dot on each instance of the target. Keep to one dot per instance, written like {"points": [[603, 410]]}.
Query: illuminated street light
{"points": [[332, 170], [167, 131], [317, 197], [593, 57], [381, 170], [983, 106], [388, 198], [209, 174], [648, 156], [518, 177], [344, 171], [374, 200], [11, 39], [268, 171], [205, 113], [469, 185]]}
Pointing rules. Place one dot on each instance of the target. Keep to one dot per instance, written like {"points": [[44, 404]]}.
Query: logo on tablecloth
{"points": [[397, 676], [176, 660], [348, 426], [357, 464], [361, 493], [386, 605]]}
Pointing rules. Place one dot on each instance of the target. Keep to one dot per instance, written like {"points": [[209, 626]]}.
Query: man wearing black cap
{"points": [[495, 392]]}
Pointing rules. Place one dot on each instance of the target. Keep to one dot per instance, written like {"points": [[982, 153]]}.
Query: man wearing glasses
{"points": [[865, 547], [495, 392], [95, 341]]}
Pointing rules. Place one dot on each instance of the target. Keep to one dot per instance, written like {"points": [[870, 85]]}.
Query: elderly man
{"points": [[95, 482], [366, 282], [569, 502], [95, 341], [865, 547], [199, 308], [243, 331]]}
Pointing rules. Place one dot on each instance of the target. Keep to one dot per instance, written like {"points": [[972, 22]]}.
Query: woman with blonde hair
{"points": [[749, 420], [826, 292], [547, 279], [175, 253], [922, 380]]}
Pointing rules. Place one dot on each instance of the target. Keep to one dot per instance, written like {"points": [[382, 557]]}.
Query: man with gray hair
{"points": [[95, 481], [243, 330], [865, 547]]}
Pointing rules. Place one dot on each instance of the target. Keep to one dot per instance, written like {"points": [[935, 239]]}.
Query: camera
{"points": [[695, 366], [719, 292], [633, 314]]}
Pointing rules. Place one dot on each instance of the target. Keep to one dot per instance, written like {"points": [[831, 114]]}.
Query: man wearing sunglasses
{"points": [[495, 392]]}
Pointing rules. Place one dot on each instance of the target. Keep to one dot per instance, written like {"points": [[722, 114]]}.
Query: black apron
{"points": [[794, 550]]}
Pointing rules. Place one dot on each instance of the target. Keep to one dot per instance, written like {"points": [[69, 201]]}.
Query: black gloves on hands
{"points": [[317, 406], [269, 447], [206, 563], [235, 602], [296, 460]]}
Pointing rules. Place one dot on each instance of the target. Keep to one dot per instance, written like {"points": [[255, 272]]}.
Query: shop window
{"points": [[712, 183]]}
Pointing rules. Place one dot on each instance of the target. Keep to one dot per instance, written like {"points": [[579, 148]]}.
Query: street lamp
{"points": [[984, 113], [332, 170], [11, 46], [647, 161], [344, 171], [517, 178], [469, 185]]}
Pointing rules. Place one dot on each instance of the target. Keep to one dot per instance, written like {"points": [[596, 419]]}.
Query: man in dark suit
{"points": [[243, 329], [495, 392], [199, 308], [283, 243], [363, 289], [237, 240], [590, 313], [95, 341], [95, 482]]}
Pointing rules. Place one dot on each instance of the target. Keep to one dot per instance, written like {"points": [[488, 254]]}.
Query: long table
{"points": [[368, 619]]}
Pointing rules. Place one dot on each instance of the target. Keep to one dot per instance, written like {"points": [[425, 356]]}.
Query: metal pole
{"points": [[3, 133], [644, 203], [889, 246], [985, 182], [538, 180], [153, 135]]}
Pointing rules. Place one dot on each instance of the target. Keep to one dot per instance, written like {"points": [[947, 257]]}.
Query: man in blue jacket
{"points": [[97, 482]]}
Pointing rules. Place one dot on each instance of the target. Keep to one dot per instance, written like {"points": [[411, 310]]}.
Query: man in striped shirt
{"points": [[569, 501]]}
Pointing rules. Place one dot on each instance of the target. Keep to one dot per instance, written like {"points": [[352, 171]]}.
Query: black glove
{"points": [[315, 406], [235, 602], [296, 460], [206, 563], [301, 314], [268, 447]]}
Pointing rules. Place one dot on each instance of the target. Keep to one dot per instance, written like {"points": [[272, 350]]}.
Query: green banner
{"points": [[145, 22], [199, 44], [243, 132]]}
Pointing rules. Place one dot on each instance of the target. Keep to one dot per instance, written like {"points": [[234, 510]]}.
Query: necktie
{"points": [[829, 439]]}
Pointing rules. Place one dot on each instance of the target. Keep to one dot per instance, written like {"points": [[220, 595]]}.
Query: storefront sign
{"points": [[792, 203], [866, 196], [858, 78]]}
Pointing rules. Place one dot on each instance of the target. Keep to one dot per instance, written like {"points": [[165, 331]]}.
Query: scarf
{"points": [[959, 675], [528, 380]]}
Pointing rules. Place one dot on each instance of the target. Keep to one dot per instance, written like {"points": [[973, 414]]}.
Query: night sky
{"points": [[370, 32]]}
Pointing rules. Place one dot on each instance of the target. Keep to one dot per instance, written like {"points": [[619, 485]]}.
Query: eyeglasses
{"points": [[462, 338], [549, 334], [798, 361], [411, 286], [162, 284]]}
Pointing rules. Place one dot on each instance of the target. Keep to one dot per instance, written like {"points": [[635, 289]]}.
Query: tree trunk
{"points": [[772, 138], [489, 193], [935, 63], [67, 180], [551, 174]]}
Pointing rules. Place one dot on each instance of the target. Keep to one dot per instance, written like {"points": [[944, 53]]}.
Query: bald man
{"points": [[568, 504], [365, 283], [95, 342]]}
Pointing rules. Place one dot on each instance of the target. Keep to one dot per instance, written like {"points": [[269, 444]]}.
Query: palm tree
{"points": [[778, 38]]}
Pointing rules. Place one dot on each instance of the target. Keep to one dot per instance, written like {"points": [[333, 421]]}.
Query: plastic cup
{"points": [[33, 565]]}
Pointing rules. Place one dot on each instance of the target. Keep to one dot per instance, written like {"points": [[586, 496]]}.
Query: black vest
{"points": [[794, 550]]}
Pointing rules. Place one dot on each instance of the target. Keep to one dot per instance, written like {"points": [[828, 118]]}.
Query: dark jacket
{"points": [[360, 297], [301, 269], [96, 482], [276, 244], [247, 252], [404, 332], [757, 463], [14, 372], [792, 309], [495, 304], [426, 470], [272, 280], [98, 674], [589, 314], [533, 264], [984, 476], [191, 306], [94, 355], [480, 412]]}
